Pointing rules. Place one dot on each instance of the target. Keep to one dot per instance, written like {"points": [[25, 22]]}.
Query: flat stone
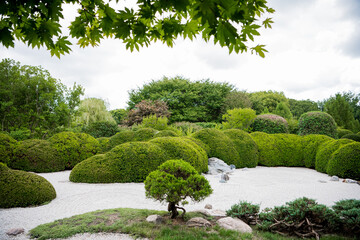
{"points": [[322, 181], [348, 180], [245, 169], [334, 178], [208, 206], [198, 222], [154, 219], [234, 224], [15, 231]]}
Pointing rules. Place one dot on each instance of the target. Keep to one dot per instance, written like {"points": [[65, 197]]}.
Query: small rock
{"points": [[334, 178], [232, 166], [225, 177], [322, 181], [217, 166], [245, 169], [234, 224], [15, 231], [154, 219], [348, 180], [198, 222], [217, 213], [208, 206], [222, 181]]}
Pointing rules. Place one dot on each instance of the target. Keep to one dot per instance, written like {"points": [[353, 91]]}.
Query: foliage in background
{"points": [[236, 99], [187, 128], [119, 115], [282, 109], [175, 181], [7, 148], [152, 121], [317, 123], [240, 118], [352, 136], [93, 110], [101, 129], [299, 107], [341, 132], [266, 101], [269, 123]]}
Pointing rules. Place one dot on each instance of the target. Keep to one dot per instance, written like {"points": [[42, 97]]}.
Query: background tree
{"points": [[230, 23], [240, 118], [119, 115], [236, 99], [283, 110], [93, 110], [299, 107], [146, 108], [198, 101], [266, 101]]}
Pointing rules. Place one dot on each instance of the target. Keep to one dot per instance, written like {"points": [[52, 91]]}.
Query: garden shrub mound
{"points": [[352, 136], [246, 147], [144, 134], [185, 149], [345, 162], [7, 147], [311, 144], [325, 151], [220, 145], [74, 147], [128, 162], [101, 129], [103, 144], [37, 156], [317, 123], [166, 133], [270, 123], [341, 132], [23, 189], [120, 138]]}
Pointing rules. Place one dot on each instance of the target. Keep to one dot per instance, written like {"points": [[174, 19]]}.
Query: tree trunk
{"points": [[173, 209]]}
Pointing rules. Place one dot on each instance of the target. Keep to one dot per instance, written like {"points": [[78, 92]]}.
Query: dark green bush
{"points": [[101, 129], [185, 149], [166, 133], [246, 147], [317, 123], [311, 144], [74, 147], [325, 151], [341, 132], [349, 213], [37, 156], [345, 162], [206, 124], [352, 136], [221, 146], [269, 123], [144, 134], [119, 138], [245, 211], [21, 134], [7, 147], [23, 189]]}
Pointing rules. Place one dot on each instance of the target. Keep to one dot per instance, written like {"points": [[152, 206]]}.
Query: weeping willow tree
{"points": [[93, 110]]}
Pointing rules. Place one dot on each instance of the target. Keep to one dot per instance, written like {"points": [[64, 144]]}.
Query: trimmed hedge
{"points": [[37, 156], [144, 134], [166, 133], [311, 144], [198, 142], [185, 149], [246, 147], [352, 136], [270, 123], [345, 162], [325, 151], [341, 132], [120, 138], [128, 162], [317, 123], [7, 147], [103, 144], [221, 146], [23, 189], [74, 147]]}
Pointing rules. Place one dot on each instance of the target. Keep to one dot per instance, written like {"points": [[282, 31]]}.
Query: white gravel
{"points": [[261, 185]]}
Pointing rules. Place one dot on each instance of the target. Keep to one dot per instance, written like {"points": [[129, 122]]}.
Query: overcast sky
{"points": [[314, 52]]}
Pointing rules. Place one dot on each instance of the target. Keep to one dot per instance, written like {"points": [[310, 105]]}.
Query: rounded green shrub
{"points": [[266, 142], [7, 147], [74, 147], [185, 149], [341, 132], [345, 162], [246, 147], [128, 162], [37, 156], [120, 138], [352, 136], [221, 146], [326, 150], [144, 134], [103, 144], [269, 123], [101, 129], [166, 133], [198, 142], [317, 123], [23, 189], [311, 144]]}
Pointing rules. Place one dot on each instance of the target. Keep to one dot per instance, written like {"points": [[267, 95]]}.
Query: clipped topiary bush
{"points": [[341, 132], [268, 152], [317, 123], [74, 147], [103, 144], [345, 162], [221, 146], [198, 142], [185, 149], [325, 151], [246, 147], [7, 147], [311, 144], [269, 123], [352, 136], [166, 133], [120, 138], [101, 129], [37, 156], [128, 162], [144, 134], [23, 189]]}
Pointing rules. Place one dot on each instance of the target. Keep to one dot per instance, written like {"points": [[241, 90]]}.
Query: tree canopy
{"points": [[228, 23]]}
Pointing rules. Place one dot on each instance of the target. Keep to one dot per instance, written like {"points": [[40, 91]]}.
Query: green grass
{"points": [[133, 222]]}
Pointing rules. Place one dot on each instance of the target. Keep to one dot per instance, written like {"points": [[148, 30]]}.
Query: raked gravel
{"points": [[266, 186]]}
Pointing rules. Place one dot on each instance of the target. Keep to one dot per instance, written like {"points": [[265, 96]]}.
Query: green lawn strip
{"points": [[133, 222]]}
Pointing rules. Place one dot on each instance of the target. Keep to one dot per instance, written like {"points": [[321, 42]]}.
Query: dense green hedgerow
{"points": [[311, 144], [185, 149], [7, 147], [246, 147], [352, 136], [37, 156], [103, 144], [22, 189], [341, 132], [266, 142], [144, 134], [325, 151], [269, 123], [128, 162], [345, 162], [166, 133], [101, 129], [198, 142], [221, 146], [317, 123], [74, 147]]}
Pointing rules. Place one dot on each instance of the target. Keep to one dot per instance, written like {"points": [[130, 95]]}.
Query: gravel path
{"points": [[262, 185]]}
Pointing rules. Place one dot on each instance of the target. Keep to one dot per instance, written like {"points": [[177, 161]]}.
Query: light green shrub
{"points": [[103, 144], [166, 133], [23, 189], [7, 147], [245, 146], [144, 134], [345, 162], [269, 123], [152, 121], [240, 118], [311, 144], [119, 138], [187, 128], [317, 123], [268, 152]]}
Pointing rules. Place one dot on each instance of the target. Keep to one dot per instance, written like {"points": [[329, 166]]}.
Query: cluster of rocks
{"points": [[337, 179]]}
